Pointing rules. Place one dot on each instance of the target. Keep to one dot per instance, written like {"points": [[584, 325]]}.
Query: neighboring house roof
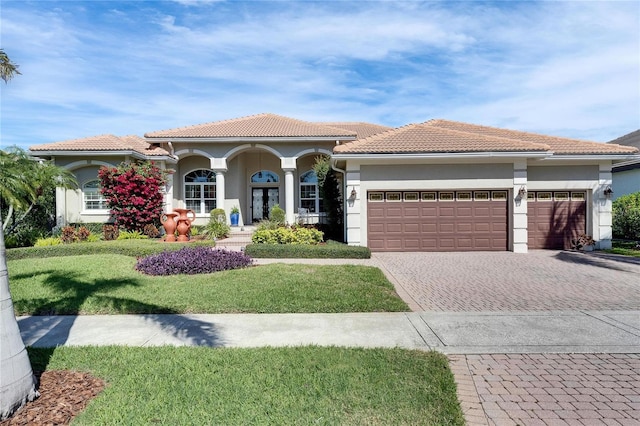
{"points": [[256, 126], [107, 143], [443, 136], [362, 130], [630, 139]]}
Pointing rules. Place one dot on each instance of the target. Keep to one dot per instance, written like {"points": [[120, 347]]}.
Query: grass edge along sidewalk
{"points": [[295, 385]]}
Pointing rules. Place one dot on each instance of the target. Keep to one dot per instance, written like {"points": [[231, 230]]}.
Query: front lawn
{"points": [[108, 284], [283, 386], [626, 248]]}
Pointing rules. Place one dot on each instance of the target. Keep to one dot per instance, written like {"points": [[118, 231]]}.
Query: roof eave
{"points": [[152, 139], [437, 155], [75, 153], [596, 157]]}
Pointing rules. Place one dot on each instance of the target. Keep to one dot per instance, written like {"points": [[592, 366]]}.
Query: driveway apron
{"points": [[542, 302]]}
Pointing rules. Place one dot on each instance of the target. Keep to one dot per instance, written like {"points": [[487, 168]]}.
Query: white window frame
{"points": [[316, 191], [93, 195], [202, 186]]}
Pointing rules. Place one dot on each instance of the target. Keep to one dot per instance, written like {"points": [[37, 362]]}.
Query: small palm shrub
{"points": [[217, 226], [191, 261], [284, 235], [150, 230], [110, 232]]}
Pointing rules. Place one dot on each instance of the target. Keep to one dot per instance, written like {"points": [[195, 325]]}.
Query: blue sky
{"points": [[88, 68]]}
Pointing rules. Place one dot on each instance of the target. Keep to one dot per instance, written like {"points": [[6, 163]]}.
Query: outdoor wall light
{"points": [[522, 191], [608, 191], [354, 194]]}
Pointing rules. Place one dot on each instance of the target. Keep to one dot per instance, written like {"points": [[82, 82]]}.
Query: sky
{"points": [[563, 68]]}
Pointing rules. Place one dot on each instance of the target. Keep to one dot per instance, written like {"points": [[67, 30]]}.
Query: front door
{"points": [[262, 199]]}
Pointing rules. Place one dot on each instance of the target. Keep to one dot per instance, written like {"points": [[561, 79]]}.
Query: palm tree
{"points": [[7, 68], [18, 384]]}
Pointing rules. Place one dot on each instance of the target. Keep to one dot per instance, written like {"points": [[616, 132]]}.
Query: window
{"points": [[200, 191], [265, 176], [93, 199], [309, 193]]}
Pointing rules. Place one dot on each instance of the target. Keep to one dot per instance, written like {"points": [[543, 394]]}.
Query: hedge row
{"points": [[298, 251], [133, 248]]}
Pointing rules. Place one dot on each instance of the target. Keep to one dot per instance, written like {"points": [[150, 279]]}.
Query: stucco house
{"points": [[434, 186], [626, 174]]}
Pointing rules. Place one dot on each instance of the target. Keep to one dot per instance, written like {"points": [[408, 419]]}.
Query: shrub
{"points": [[68, 235], [150, 230], [277, 215], [626, 217], [267, 224], [131, 235], [110, 232], [192, 260], [284, 235], [82, 233], [133, 193], [132, 248], [323, 251], [46, 242]]}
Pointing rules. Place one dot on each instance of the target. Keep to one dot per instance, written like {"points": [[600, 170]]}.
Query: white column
{"points": [[288, 196], [519, 218], [61, 206], [602, 211], [356, 210], [220, 194]]}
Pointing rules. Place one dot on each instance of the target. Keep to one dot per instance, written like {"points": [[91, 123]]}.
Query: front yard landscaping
{"points": [[283, 386], [109, 284]]}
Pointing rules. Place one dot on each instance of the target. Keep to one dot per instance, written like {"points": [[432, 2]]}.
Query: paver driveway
{"points": [[531, 389], [541, 280]]}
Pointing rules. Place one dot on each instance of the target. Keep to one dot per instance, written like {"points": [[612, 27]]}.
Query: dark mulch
{"points": [[63, 394]]}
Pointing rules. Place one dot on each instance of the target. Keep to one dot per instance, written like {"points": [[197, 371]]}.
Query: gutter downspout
{"points": [[344, 192]]}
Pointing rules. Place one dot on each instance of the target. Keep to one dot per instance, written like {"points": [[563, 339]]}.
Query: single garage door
{"points": [[437, 220], [555, 218]]}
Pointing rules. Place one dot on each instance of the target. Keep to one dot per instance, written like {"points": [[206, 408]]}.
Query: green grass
{"points": [[108, 284], [267, 386], [625, 248]]}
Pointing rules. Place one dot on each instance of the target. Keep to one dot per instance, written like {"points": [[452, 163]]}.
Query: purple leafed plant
{"points": [[192, 260]]}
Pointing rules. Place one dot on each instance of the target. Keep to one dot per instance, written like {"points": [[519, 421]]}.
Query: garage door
{"points": [[437, 220], [554, 218]]}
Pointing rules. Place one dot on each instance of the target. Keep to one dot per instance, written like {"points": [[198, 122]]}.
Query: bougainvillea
{"points": [[134, 193], [192, 260]]}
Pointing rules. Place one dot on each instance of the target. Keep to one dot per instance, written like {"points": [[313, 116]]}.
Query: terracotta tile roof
{"points": [[255, 126], [363, 130], [557, 145], [424, 138], [103, 143], [630, 139], [442, 136]]}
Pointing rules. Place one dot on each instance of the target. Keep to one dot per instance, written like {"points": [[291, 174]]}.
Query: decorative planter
{"points": [[235, 218], [186, 216], [169, 224]]}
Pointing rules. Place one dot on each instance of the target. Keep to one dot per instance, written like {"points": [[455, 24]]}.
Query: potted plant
{"points": [[584, 242], [235, 215]]}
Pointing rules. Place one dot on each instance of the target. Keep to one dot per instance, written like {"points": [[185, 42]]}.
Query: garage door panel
{"points": [[431, 224], [553, 223]]}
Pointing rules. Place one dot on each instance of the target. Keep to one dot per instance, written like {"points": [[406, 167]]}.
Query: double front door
{"points": [[262, 199]]}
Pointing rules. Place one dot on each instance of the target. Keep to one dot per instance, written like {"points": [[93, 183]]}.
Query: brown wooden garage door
{"points": [[437, 220], [554, 218]]}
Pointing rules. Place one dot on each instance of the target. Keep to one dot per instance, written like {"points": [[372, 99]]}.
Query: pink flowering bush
{"points": [[191, 261], [133, 193]]}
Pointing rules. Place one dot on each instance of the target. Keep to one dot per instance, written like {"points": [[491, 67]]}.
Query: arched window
{"points": [[309, 193], [264, 176], [200, 191], [93, 199]]}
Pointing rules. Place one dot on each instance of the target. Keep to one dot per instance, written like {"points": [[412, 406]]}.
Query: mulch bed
{"points": [[63, 394]]}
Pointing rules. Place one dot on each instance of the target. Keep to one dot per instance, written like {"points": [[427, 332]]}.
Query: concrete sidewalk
{"points": [[450, 333]]}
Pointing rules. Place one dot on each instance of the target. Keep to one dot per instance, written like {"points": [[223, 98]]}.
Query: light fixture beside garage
{"points": [[608, 191], [522, 192]]}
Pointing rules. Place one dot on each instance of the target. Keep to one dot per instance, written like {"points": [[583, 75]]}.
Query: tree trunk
{"points": [[17, 382]]}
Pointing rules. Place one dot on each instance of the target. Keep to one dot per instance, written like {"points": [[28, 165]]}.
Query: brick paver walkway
{"points": [[531, 389], [541, 280]]}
